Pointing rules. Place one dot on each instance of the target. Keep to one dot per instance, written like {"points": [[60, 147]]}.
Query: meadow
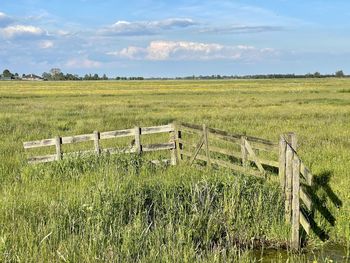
{"points": [[122, 209]]}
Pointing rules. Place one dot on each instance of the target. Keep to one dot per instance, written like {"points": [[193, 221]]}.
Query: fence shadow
{"points": [[320, 193]]}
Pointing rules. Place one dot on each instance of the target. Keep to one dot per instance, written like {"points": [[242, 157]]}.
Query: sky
{"points": [[154, 38]]}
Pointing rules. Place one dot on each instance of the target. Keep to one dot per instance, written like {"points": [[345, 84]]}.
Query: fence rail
{"points": [[245, 158], [96, 137]]}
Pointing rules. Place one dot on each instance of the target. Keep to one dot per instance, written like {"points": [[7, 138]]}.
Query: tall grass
{"points": [[45, 210], [95, 210]]}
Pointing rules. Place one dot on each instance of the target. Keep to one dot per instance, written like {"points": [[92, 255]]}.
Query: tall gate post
{"points": [[289, 174]]}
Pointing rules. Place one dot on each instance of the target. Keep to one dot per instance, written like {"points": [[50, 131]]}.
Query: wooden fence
{"points": [[198, 143], [96, 137]]}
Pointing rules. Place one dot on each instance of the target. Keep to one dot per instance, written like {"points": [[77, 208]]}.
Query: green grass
{"points": [[97, 213]]}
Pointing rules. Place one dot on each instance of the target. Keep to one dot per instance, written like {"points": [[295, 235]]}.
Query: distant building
{"points": [[32, 77], [5, 78]]}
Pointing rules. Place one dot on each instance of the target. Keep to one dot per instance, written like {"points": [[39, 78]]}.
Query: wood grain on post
{"points": [[295, 242], [282, 163], [244, 151], [138, 140], [293, 140], [58, 148], [205, 136], [173, 150], [97, 142], [288, 186], [177, 142]]}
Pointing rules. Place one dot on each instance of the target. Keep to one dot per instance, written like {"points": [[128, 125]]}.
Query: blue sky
{"points": [[175, 38]]}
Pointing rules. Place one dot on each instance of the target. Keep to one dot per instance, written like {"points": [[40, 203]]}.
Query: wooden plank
{"points": [[39, 143], [254, 157], [191, 126], [225, 164], [306, 199], [238, 137], [42, 159], [206, 142], [138, 146], [97, 142], [157, 129], [305, 223], [217, 132], [263, 146], [77, 138], [237, 168], [145, 148], [198, 147], [295, 241], [288, 184], [215, 149], [270, 163], [244, 153], [58, 143], [306, 173], [158, 147], [117, 134], [282, 163], [234, 154]]}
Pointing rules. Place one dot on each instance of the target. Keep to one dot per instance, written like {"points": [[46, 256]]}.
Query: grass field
{"points": [[91, 211]]}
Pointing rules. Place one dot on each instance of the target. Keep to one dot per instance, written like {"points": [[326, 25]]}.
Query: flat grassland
{"points": [[45, 210]]}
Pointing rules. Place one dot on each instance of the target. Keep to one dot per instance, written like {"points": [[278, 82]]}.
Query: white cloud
{"points": [[241, 29], [183, 50], [146, 27], [82, 63], [22, 31], [46, 44], [5, 19]]}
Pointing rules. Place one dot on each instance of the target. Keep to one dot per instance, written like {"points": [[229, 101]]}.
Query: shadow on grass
{"points": [[320, 193]]}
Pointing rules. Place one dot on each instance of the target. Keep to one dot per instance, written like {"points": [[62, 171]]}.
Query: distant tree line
{"points": [[56, 74], [338, 74]]}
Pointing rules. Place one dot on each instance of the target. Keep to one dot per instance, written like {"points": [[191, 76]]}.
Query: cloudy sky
{"points": [[175, 38]]}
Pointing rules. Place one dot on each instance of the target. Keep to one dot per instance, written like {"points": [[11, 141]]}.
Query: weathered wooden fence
{"points": [[96, 137], [195, 143]]}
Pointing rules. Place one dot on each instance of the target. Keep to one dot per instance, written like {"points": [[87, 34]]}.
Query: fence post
{"points": [[293, 140], [207, 152], [138, 140], [282, 163], [58, 142], [173, 160], [177, 142], [295, 242], [97, 142], [288, 185], [244, 151]]}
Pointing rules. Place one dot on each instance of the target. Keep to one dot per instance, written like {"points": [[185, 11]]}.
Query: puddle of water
{"points": [[328, 253]]}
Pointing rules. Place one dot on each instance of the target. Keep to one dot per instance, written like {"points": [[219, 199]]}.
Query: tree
{"points": [[317, 74], [55, 71], [339, 74], [7, 74], [46, 76]]}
